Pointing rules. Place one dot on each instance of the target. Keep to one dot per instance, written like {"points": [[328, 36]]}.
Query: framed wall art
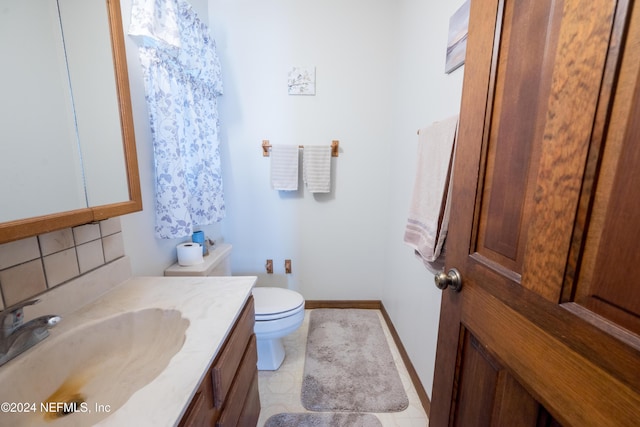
{"points": [[457, 41], [302, 81]]}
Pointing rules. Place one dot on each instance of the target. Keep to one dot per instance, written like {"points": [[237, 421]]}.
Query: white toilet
{"points": [[279, 311]]}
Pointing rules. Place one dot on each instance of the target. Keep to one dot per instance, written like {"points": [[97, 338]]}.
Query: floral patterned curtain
{"points": [[182, 81]]}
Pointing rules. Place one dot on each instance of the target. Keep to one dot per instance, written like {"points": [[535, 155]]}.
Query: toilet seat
{"points": [[276, 303]]}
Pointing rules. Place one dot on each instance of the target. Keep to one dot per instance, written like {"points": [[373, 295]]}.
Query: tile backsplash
{"points": [[31, 266]]}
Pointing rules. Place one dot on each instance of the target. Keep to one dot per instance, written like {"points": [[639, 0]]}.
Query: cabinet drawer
{"points": [[225, 367], [240, 389], [200, 411], [251, 411], [197, 414]]}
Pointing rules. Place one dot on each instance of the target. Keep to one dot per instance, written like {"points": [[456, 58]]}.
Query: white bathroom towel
{"points": [[284, 167], [316, 168], [428, 219]]}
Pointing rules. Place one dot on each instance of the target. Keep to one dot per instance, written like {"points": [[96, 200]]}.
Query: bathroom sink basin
{"points": [[84, 374]]}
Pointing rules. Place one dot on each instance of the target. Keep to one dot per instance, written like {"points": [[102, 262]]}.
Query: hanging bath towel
{"points": [[182, 81], [316, 168], [284, 167], [428, 220]]}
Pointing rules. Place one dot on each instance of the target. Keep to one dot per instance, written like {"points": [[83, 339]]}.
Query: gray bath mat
{"points": [[349, 366], [323, 420]]}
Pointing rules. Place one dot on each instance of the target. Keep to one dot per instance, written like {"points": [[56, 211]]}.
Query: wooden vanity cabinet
{"points": [[228, 395]]}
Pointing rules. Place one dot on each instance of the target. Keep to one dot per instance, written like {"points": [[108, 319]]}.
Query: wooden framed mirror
{"points": [[119, 135]]}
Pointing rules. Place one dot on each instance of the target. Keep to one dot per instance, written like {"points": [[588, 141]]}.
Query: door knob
{"points": [[451, 280]]}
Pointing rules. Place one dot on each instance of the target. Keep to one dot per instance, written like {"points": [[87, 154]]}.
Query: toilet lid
{"points": [[270, 301]]}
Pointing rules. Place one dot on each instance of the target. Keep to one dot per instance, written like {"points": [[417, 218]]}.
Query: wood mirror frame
{"points": [[27, 227]]}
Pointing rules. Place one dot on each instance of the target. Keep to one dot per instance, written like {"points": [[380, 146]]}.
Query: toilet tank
{"points": [[217, 263]]}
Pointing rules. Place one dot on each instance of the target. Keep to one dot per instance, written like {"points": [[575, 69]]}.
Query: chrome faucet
{"points": [[16, 336]]}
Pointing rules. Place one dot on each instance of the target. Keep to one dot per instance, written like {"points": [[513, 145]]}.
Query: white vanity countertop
{"points": [[210, 304]]}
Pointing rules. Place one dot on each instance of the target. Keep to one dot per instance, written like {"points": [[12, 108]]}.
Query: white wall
{"points": [[335, 241], [380, 77], [423, 95]]}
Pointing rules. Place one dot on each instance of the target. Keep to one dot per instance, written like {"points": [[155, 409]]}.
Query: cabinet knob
{"points": [[451, 280]]}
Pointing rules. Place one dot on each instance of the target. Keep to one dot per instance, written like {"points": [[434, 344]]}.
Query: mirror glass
{"points": [[60, 117]]}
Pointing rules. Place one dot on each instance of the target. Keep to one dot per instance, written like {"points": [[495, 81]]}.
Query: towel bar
{"points": [[335, 145]]}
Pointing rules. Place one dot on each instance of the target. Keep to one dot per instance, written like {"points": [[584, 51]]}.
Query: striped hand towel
{"points": [[316, 168], [284, 167], [428, 221]]}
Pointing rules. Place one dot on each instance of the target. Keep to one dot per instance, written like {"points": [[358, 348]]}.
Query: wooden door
{"points": [[545, 222]]}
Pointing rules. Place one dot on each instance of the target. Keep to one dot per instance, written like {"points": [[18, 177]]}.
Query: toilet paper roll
{"points": [[189, 254]]}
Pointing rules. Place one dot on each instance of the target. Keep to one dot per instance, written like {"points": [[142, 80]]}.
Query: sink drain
{"points": [[74, 404], [66, 400], [65, 405]]}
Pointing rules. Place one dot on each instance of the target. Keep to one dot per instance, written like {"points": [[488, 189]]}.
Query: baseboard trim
{"points": [[413, 374], [377, 305], [364, 304]]}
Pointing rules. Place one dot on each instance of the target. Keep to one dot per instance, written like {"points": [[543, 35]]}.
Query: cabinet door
{"points": [[200, 411], [544, 224]]}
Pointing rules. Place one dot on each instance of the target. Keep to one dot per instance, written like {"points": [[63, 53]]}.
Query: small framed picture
{"points": [[457, 42], [302, 81]]}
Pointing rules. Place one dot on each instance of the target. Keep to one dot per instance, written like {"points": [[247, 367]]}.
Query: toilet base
{"points": [[270, 354]]}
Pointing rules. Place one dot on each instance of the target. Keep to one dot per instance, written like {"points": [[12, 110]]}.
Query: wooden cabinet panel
{"points": [[198, 414], [226, 365], [251, 410], [240, 388], [229, 393]]}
